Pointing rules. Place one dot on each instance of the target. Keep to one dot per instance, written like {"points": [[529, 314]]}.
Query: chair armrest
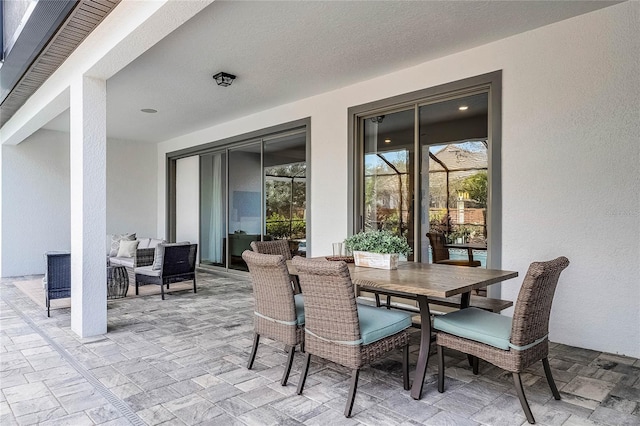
{"points": [[144, 257]]}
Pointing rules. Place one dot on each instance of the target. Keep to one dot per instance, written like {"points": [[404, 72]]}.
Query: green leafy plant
{"points": [[378, 242], [278, 226], [476, 186]]}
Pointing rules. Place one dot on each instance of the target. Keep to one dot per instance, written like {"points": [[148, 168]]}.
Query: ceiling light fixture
{"points": [[224, 79], [387, 141], [463, 108], [149, 110]]}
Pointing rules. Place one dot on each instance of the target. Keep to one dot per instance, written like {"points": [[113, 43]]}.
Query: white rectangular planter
{"points": [[376, 260]]}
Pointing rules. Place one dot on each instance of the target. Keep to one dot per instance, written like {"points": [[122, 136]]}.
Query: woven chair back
{"points": [[179, 260], [58, 275], [280, 247], [438, 242], [271, 288], [329, 299], [533, 306]]}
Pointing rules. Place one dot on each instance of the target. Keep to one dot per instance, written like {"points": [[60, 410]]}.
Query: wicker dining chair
{"points": [[342, 331], [280, 247], [440, 253], [279, 314], [511, 344]]}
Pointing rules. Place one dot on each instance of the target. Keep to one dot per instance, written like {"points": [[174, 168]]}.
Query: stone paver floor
{"points": [[183, 361]]}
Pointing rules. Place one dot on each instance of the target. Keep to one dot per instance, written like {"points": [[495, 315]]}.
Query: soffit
{"points": [[84, 18]]}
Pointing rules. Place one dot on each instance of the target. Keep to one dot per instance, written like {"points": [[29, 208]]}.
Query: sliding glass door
{"points": [[213, 208], [430, 162], [245, 201], [454, 175], [253, 190], [389, 173], [285, 190]]}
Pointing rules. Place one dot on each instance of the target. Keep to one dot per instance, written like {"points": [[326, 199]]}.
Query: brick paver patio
{"points": [[183, 361]]}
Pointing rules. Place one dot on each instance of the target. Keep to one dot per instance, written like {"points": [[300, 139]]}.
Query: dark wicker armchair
{"points": [[279, 314], [280, 247], [342, 331], [440, 253], [58, 277], [511, 344], [178, 264]]}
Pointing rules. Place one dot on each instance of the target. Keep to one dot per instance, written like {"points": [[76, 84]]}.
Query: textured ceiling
{"points": [[284, 51]]}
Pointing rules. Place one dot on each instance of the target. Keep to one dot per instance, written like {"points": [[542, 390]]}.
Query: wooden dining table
{"points": [[423, 280], [420, 281]]}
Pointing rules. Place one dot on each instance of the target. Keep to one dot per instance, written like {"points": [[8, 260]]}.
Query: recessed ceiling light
{"points": [[463, 108], [149, 110], [387, 141]]}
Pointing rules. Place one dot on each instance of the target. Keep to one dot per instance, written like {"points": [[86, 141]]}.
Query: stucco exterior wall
{"points": [[131, 183], [570, 160], [36, 197], [36, 204]]}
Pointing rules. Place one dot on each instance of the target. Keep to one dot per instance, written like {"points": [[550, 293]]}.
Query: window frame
{"points": [[490, 82]]}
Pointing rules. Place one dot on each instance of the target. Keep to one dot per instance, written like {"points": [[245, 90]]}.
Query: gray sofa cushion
{"points": [[147, 270], [149, 242], [143, 242], [122, 261]]}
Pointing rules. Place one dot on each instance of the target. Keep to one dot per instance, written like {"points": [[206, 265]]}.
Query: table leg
{"points": [[425, 344], [465, 300], [470, 254]]}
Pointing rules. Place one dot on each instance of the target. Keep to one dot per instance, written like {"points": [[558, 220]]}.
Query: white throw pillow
{"points": [[115, 242], [127, 248]]}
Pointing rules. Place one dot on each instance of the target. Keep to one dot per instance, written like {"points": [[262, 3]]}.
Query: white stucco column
{"points": [[88, 98]]}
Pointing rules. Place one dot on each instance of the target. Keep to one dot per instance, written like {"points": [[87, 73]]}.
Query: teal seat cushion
{"points": [[478, 325], [378, 323], [299, 301]]}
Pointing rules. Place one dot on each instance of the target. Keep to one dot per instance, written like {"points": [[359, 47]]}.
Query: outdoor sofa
{"points": [[143, 255]]}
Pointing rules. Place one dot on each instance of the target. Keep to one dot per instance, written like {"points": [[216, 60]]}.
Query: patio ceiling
{"points": [[284, 51]]}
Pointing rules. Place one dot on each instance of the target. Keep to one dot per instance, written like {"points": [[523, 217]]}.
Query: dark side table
{"points": [[117, 282]]}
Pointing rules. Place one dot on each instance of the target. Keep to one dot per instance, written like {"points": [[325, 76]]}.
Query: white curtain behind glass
{"points": [[216, 224]]}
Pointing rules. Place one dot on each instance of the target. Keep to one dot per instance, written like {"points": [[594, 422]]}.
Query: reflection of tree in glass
{"points": [[458, 189], [386, 191], [286, 200], [476, 187]]}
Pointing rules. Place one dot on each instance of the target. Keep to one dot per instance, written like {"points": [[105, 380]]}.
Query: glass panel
{"points": [[245, 202], [213, 202], [286, 191], [454, 175], [388, 173]]}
